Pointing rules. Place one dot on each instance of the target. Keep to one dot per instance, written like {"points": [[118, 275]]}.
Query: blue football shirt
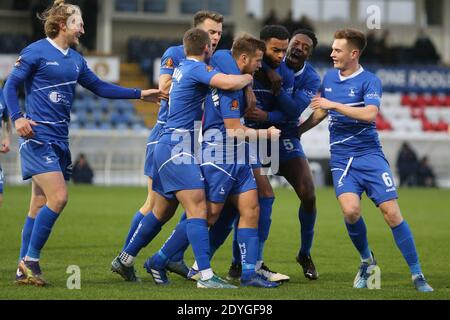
{"points": [[350, 137], [50, 75], [170, 60], [190, 84]]}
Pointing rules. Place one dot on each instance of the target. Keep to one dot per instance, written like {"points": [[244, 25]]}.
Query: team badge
{"points": [[234, 105], [209, 68], [169, 63]]}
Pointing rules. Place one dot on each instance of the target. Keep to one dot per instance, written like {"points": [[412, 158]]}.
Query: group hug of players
{"points": [[254, 92]]}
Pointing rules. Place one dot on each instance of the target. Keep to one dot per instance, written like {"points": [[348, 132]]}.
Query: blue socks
{"points": [[248, 245], [177, 240], [358, 234], [26, 236], [220, 231], [236, 259], [197, 233], [134, 225], [405, 242], [179, 255], [42, 228], [148, 228], [265, 220], [307, 222]]}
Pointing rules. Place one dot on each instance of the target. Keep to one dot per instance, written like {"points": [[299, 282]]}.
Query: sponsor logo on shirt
{"points": [[215, 97], [374, 96], [52, 63], [328, 90], [58, 97]]}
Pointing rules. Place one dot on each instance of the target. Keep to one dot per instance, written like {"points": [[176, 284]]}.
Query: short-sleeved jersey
{"points": [[350, 137], [169, 61], [3, 110], [303, 85], [221, 104], [190, 83], [50, 78]]}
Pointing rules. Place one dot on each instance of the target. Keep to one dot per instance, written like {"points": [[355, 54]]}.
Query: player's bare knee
{"points": [[213, 216], [392, 216], [308, 200], [251, 216], [266, 192], [59, 201], [198, 211], [352, 213]]}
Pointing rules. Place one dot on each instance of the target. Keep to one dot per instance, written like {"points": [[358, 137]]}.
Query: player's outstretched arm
{"points": [[313, 120], [236, 129], [368, 113], [6, 134], [230, 82]]}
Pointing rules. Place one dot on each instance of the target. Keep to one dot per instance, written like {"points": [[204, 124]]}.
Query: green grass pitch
{"points": [[92, 228]]}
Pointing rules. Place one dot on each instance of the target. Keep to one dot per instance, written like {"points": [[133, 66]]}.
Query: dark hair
{"points": [[203, 15], [274, 31], [309, 33], [247, 44], [194, 41], [355, 37]]}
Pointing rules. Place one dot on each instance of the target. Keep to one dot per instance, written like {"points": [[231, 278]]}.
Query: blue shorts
{"points": [[224, 180], [1, 180], [38, 157], [290, 148], [368, 173], [175, 172], [152, 140]]}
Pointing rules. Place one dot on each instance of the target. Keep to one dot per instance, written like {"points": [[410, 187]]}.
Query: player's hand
{"points": [[250, 97], [273, 133], [256, 114], [24, 127], [321, 103], [276, 80], [151, 95], [4, 147]]}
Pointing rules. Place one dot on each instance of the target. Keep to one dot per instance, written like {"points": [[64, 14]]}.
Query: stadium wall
{"points": [[117, 157]]}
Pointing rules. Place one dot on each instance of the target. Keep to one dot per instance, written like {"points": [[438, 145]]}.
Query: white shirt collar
{"points": [[53, 43], [301, 71], [192, 59], [355, 74]]}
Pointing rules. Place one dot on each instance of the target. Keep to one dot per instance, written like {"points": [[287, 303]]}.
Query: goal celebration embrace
{"points": [[230, 141]]}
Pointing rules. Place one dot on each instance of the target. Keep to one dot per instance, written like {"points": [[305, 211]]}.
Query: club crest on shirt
{"points": [[234, 105], [209, 68], [169, 63], [353, 92]]}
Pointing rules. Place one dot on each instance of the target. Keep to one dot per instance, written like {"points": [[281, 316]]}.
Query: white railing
{"points": [[118, 157]]}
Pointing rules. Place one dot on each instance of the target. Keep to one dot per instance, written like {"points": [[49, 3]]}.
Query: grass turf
{"points": [[92, 228]]}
